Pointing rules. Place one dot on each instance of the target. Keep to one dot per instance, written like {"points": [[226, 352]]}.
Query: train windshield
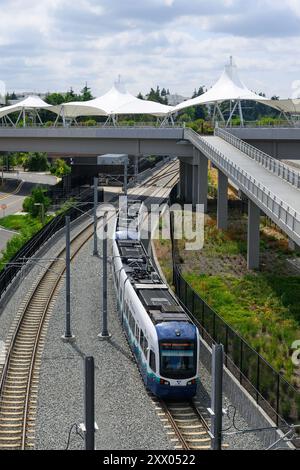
{"points": [[178, 360]]}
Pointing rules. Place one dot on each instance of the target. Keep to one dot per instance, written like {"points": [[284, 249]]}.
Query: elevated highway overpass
{"points": [[80, 141]]}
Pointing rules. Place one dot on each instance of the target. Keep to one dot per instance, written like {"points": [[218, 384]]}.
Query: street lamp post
{"points": [[42, 206]]}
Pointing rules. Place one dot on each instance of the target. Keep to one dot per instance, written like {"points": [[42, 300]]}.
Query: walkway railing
{"points": [[269, 163], [281, 211], [81, 125]]}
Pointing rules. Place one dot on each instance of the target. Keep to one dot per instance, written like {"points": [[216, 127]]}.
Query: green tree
{"points": [[55, 99], [36, 162], [86, 93], [38, 196], [59, 168]]}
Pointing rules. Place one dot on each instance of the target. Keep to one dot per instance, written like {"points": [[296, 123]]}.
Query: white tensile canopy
{"points": [[228, 88], [32, 103], [288, 106], [138, 106], [115, 102]]}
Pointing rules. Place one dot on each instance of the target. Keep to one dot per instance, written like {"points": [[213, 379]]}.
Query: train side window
{"points": [[131, 323], [152, 361], [126, 310], [145, 346], [142, 337], [137, 333]]}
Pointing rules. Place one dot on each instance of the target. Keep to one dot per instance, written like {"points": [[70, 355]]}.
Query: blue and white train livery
{"points": [[163, 338]]}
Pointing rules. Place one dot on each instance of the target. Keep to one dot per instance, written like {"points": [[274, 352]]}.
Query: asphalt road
{"points": [[36, 178], [16, 189]]}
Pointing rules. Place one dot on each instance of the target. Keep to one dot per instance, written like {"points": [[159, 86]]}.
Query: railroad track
{"points": [[24, 346], [186, 423], [25, 342]]}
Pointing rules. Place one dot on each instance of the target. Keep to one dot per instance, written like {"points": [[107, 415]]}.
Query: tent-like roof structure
{"points": [[116, 101], [288, 106], [228, 88], [30, 103]]}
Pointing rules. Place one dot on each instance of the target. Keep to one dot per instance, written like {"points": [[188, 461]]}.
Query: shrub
{"points": [[38, 196]]}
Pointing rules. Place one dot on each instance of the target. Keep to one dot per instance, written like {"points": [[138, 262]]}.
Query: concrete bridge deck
{"points": [[283, 190]]}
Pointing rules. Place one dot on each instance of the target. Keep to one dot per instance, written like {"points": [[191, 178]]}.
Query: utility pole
{"points": [[96, 253], [217, 396], [136, 168], [125, 177], [105, 334], [42, 208], [68, 337], [89, 403]]}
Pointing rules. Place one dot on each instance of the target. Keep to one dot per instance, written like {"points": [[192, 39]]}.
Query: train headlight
{"points": [[164, 382], [192, 382]]}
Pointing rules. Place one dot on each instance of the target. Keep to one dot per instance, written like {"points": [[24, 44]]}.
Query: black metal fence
{"points": [[15, 265], [278, 398]]}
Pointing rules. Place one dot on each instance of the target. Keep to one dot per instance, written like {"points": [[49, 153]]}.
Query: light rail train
{"points": [[163, 338]]}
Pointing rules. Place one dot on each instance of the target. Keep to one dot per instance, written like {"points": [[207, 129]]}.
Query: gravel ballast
{"points": [[125, 413]]}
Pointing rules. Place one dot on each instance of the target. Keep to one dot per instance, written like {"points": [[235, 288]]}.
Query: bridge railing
{"points": [[269, 163], [81, 125], [282, 212]]}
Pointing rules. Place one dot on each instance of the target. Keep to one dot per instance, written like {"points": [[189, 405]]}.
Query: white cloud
{"points": [[55, 44]]}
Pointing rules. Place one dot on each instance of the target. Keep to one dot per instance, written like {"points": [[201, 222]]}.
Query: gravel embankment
{"points": [[124, 412]]}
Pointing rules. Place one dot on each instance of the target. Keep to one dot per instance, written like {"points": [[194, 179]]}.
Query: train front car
{"points": [[178, 355], [163, 338], [177, 346]]}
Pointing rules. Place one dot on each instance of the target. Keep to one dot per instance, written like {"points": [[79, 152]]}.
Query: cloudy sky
{"points": [[180, 44]]}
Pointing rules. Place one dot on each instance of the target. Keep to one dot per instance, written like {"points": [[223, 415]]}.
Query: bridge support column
{"points": [[222, 201], [293, 246], [195, 185], [253, 235], [203, 180], [188, 184], [181, 180]]}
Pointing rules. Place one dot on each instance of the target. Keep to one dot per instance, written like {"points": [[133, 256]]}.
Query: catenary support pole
{"points": [[105, 334], [95, 253], [136, 168], [68, 337], [217, 396], [125, 178], [89, 402]]}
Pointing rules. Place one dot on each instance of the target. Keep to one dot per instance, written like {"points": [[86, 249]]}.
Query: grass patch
{"points": [[261, 308], [18, 222], [264, 307]]}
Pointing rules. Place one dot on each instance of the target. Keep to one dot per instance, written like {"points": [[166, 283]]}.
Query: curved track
{"points": [[19, 381], [25, 342]]}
